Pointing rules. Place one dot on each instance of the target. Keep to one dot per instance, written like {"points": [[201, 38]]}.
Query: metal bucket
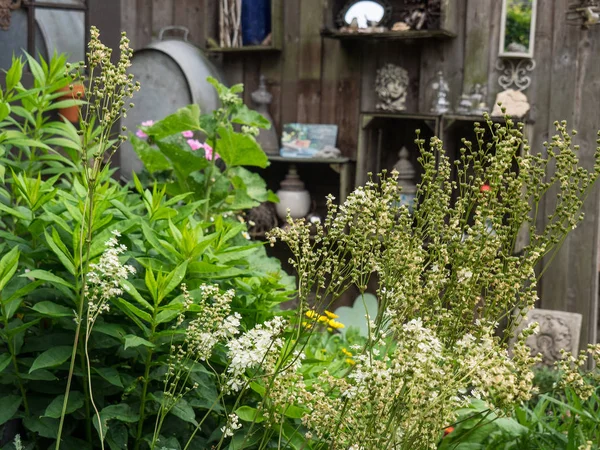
{"points": [[172, 74]]}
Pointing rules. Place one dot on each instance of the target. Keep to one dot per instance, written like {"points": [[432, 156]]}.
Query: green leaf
{"points": [[294, 412], [4, 110], [36, 70], [253, 183], [66, 104], [109, 374], [184, 411], [246, 116], [10, 406], [60, 250], [8, 266], [14, 212], [13, 302], [174, 279], [117, 436], [51, 358], [133, 313], [184, 161], [131, 290], [4, 361], [54, 409], [14, 74], [121, 412], [238, 149], [47, 276], [153, 158], [51, 309], [44, 426], [249, 414], [131, 340], [183, 119]]}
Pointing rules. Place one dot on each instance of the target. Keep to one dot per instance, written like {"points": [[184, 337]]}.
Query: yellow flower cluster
{"points": [[327, 319]]}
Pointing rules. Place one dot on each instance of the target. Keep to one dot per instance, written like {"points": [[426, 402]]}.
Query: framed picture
{"points": [[300, 140]]}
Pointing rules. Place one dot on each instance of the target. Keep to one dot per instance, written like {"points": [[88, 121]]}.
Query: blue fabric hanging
{"points": [[256, 21]]}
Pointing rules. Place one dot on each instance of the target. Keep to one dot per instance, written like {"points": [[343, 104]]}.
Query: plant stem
{"points": [[11, 349], [83, 266], [142, 413]]}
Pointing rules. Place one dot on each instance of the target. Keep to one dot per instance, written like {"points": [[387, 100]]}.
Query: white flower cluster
{"points": [[256, 348], [232, 425], [104, 280]]}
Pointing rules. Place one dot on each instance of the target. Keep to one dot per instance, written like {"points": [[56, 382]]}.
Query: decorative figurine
{"points": [[441, 105], [293, 196], [478, 99], [406, 179], [267, 138], [391, 86], [465, 106]]}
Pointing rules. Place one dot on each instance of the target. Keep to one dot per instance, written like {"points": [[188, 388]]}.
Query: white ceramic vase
{"points": [[292, 196]]}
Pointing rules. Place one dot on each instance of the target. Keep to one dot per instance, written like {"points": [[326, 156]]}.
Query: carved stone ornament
{"points": [[391, 86], [515, 73], [440, 105], [557, 330], [6, 8], [514, 102]]}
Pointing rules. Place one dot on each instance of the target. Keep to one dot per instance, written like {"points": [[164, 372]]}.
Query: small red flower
{"points": [[448, 430], [485, 188]]}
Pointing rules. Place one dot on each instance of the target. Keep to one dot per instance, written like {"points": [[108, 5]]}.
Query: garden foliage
{"points": [[141, 315]]}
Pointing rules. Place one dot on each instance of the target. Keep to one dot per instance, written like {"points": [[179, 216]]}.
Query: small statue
{"points": [[441, 105], [478, 99], [465, 106], [391, 86], [406, 178]]}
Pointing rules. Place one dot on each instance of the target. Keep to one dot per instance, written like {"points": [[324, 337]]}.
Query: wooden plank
{"points": [[162, 15], [477, 43], [129, 20], [289, 87], [309, 66], [191, 14], [555, 284], [447, 56], [271, 68], [144, 23], [582, 291], [492, 82], [251, 76]]}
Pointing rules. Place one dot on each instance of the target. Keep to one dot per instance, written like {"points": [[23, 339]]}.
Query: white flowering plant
{"points": [[103, 286], [447, 275]]}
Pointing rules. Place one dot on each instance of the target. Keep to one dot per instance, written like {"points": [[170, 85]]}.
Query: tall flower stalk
{"points": [[108, 88]]}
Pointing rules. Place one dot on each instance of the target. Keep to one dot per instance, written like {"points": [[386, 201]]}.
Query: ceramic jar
{"points": [[293, 196]]}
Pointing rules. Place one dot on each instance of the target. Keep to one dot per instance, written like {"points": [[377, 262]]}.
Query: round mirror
{"points": [[364, 13]]}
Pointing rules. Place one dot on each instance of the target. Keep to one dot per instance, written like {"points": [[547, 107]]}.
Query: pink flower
{"points": [[208, 152], [140, 133], [194, 144], [187, 134]]}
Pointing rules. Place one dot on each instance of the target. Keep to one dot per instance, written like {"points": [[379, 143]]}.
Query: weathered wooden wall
{"points": [[316, 80]]}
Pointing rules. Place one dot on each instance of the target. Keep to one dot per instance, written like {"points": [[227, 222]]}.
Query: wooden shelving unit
{"points": [[388, 35], [275, 45]]}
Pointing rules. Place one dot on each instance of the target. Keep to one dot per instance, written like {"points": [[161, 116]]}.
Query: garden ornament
{"points": [[441, 105], [391, 85], [6, 8]]}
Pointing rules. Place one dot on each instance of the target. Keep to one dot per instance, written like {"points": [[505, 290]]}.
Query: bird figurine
{"points": [[354, 24]]}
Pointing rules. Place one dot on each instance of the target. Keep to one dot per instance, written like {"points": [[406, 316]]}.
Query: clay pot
{"points": [[72, 112]]}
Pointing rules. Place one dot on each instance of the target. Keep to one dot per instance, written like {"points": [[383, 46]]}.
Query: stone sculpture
{"points": [[558, 330], [391, 86]]}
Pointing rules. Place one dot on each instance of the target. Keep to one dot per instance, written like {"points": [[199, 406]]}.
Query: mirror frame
{"points": [[506, 54], [387, 11]]}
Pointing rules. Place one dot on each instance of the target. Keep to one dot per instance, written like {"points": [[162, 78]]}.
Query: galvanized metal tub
{"points": [[172, 74]]}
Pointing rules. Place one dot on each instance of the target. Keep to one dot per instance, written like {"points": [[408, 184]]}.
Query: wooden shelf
{"points": [[308, 160], [389, 35], [243, 49]]}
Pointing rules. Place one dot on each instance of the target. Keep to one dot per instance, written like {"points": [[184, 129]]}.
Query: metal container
{"points": [[55, 30], [172, 74]]}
